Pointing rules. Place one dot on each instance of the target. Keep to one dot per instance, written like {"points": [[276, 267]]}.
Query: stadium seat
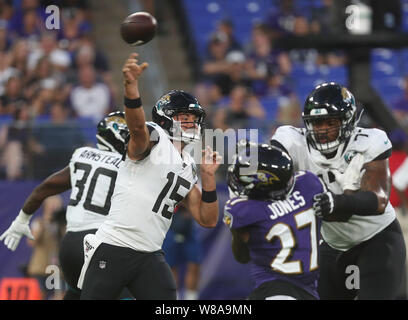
{"points": [[88, 129], [271, 107], [203, 17], [5, 119]]}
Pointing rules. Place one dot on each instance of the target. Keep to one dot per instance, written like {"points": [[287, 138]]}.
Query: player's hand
{"points": [[326, 205], [323, 204], [350, 179], [15, 232], [210, 161], [131, 73]]}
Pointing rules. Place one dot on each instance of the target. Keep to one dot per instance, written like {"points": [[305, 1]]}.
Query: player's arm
{"points": [[139, 143], [203, 205], [370, 198], [377, 179], [239, 245], [54, 184]]}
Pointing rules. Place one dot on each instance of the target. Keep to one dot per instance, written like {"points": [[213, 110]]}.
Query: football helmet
{"points": [[112, 132], [172, 104], [271, 177], [329, 101]]}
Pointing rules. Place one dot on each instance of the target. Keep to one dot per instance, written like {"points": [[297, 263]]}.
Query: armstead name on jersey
{"points": [[91, 154]]}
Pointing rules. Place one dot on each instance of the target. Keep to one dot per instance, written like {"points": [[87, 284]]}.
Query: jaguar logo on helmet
{"points": [[112, 132], [163, 101], [116, 120], [170, 105]]}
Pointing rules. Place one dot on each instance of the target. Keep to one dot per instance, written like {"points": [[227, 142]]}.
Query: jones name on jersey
{"points": [[374, 145], [93, 175], [283, 234]]}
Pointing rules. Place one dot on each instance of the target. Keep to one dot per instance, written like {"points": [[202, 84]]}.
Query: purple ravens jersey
{"points": [[284, 234]]}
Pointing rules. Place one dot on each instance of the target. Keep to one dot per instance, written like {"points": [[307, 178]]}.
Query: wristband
{"points": [[133, 103], [209, 196]]}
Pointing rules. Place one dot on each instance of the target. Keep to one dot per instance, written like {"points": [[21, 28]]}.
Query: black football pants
{"points": [[71, 257], [112, 268], [372, 270]]}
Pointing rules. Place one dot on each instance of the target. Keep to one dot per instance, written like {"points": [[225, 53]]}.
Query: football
{"points": [[138, 28]]}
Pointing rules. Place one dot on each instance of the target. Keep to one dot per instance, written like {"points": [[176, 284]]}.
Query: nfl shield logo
{"points": [[102, 264]]}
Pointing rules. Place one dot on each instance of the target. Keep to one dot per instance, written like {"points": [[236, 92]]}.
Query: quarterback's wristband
{"points": [[133, 103], [209, 196]]}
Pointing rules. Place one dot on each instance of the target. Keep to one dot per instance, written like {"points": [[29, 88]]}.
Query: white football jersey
{"points": [[93, 175], [371, 143], [146, 194]]}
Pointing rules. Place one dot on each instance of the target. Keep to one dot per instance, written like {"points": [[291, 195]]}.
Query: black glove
{"points": [[330, 207], [323, 204]]}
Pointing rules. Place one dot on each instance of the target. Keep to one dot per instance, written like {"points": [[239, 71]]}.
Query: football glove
{"points": [[350, 179], [323, 204], [19, 228]]}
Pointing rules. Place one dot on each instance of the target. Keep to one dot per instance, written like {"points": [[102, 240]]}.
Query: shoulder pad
{"points": [[373, 143]]}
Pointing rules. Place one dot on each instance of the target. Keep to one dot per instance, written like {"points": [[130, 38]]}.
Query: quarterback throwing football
{"points": [[156, 175]]}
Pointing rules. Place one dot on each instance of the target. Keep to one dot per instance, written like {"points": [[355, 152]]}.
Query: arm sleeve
{"points": [[239, 213]]}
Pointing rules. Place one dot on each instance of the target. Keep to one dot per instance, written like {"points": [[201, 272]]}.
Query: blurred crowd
{"points": [[255, 84], [54, 84], [251, 84]]}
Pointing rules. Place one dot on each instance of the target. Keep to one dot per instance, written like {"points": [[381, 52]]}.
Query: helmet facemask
{"points": [[321, 140], [186, 135], [326, 102]]}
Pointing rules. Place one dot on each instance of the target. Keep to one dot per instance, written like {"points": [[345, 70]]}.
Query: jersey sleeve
{"points": [[240, 212], [292, 139], [151, 126], [380, 146], [286, 136]]}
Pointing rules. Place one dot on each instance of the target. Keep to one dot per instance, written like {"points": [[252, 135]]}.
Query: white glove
{"points": [[350, 179], [19, 228]]}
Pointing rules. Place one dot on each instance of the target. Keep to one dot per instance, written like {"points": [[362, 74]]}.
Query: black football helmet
{"points": [[172, 104], [272, 175], [112, 132], [329, 101]]}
